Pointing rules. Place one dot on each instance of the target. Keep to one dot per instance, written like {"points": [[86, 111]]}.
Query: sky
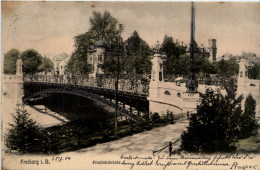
{"points": [[49, 27]]}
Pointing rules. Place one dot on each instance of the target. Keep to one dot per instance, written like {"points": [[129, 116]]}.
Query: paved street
{"points": [[142, 143]]}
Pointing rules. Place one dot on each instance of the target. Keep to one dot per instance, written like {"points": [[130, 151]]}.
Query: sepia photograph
{"points": [[130, 85]]}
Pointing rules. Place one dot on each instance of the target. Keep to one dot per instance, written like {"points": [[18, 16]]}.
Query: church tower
{"points": [[212, 47]]}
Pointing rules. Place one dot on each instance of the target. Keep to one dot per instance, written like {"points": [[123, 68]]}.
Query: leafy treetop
{"points": [[104, 26], [10, 59], [47, 65], [31, 61]]}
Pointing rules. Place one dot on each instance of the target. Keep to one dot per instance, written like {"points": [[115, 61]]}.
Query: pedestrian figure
{"points": [[188, 115], [170, 148]]}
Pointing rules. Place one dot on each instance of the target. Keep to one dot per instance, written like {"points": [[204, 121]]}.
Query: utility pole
{"points": [[119, 48]]}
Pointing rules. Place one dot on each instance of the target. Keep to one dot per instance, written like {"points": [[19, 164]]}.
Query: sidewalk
{"points": [[142, 143]]}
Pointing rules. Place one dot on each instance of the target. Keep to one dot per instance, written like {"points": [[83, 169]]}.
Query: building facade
{"points": [[63, 66], [98, 55], [57, 60], [212, 49]]}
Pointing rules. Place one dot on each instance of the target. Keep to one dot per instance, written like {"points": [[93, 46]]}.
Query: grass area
{"points": [[248, 145]]}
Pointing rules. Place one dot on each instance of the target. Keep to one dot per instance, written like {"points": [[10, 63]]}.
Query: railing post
{"points": [[131, 105], [170, 148]]}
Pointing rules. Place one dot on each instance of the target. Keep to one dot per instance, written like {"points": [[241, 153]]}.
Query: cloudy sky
{"points": [[49, 27]]}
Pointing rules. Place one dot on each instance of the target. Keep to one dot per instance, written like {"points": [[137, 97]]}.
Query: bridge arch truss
{"points": [[106, 96]]}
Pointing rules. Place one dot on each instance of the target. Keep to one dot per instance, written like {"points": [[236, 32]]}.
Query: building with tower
{"points": [[212, 48], [98, 54]]}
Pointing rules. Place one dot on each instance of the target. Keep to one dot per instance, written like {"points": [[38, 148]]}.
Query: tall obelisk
{"points": [[192, 84]]}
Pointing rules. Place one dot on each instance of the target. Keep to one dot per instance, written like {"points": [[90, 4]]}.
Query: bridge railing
{"points": [[217, 81], [137, 84]]}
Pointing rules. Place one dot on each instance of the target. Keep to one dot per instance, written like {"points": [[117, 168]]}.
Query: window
{"points": [[160, 76], [100, 58]]}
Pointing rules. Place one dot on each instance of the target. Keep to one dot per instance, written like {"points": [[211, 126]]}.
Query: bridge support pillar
{"points": [[19, 82], [241, 80], [156, 81], [166, 96], [248, 86]]}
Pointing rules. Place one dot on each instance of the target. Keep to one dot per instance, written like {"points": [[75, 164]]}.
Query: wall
{"points": [[12, 88], [248, 86], [173, 98], [252, 87]]}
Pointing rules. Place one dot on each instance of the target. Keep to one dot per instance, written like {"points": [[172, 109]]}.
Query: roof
{"points": [[60, 57], [101, 43]]}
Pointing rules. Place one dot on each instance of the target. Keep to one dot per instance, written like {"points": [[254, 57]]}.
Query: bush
{"points": [[155, 118], [146, 116], [248, 122], [25, 135], [215, 126], [169, 116]]}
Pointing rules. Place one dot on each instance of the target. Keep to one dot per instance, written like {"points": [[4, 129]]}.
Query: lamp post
{"points": [[118, 50]]}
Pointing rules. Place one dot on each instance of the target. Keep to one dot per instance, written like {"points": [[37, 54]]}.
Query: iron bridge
{"points": [[133, 102]]}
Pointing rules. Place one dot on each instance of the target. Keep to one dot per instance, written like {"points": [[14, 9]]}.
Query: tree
{"points": [[138, 54], [178, 61], [31, 61], [46, 66], [110, 66], [104, 26], [254, 71], [248, 121], [25, 135], [173, 53], [10, 59], [181, 66], [203, 65], [227, 68], [215, 127]]}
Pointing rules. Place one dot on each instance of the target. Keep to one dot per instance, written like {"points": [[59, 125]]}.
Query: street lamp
{"points": [[118, 51]]}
